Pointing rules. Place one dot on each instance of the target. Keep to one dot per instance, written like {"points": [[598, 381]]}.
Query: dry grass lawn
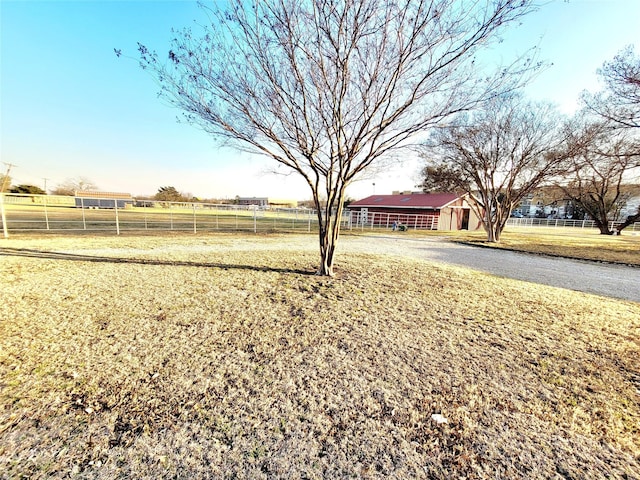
{"points": [[223, 357], [569, 243]]}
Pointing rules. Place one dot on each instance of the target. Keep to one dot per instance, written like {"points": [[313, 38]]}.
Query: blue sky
{"points": [[69, 107]]}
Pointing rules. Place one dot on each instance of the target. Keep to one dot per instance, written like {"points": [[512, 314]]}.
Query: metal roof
{"points": [[414, 200], [97, 194]]}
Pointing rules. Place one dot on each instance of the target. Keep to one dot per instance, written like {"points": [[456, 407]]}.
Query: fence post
{"points": [[4, 216], [84, 219], [46, 213], [115, 202], [255, 220], [195, 229]]}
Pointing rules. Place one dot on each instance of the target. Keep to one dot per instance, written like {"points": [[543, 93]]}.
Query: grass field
{"points": [[224, 357], [60, 219], [564, 242]]}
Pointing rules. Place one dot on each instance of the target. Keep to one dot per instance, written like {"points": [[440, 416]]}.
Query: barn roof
{"points": [[97, 194], [413, 200]]}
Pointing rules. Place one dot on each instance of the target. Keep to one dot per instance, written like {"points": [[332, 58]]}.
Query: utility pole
{"points": [[5, 180], [45, 185]]}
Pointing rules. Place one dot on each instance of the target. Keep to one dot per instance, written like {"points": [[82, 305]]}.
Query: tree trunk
{"points": [[329, 231], [604, 230], [493, 227], [327, 250], [493, 233], [603, 226], [631, 219]]}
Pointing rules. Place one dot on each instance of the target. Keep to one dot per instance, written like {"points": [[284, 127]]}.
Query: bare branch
{"points": [[498, 155], [328, 88], [619, 103], [600, 160]]}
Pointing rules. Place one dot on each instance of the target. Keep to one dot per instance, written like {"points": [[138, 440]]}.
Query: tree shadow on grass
{"points": [[46, 255]]}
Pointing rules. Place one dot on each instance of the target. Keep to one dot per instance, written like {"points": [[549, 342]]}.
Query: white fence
{"points": [[379, 220], [49, 213], [560, 222]]}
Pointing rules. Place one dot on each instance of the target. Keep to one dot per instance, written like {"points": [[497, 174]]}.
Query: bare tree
{"points": [[619, 103], [72, 185], [619, 106], [327, 88], [443, 178], [499, 155], [602, 161]]}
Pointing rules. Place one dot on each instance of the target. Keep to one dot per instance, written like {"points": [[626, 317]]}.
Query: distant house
{"points": [[257, 201], [96, 199], [265, 202], [430, 211], [630, 208]]}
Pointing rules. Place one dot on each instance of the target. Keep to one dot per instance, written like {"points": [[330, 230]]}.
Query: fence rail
{"points": [[561, 222], [56, 214], [47, 213], [380, 220]]}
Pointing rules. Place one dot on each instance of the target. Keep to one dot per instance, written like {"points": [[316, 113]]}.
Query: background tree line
{"points": [[510, 148], [71, 186]]}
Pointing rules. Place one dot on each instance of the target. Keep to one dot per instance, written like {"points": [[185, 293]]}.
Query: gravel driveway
{"points": [[609, 280]]}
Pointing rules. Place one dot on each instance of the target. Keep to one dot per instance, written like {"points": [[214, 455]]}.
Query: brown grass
{"points": [[569, 243], [218, 357]]}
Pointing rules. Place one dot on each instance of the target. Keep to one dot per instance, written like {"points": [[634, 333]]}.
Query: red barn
{"points": [[430, 211]]}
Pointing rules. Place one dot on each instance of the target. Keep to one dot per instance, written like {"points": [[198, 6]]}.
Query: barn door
{"points": [[465, 219]]}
